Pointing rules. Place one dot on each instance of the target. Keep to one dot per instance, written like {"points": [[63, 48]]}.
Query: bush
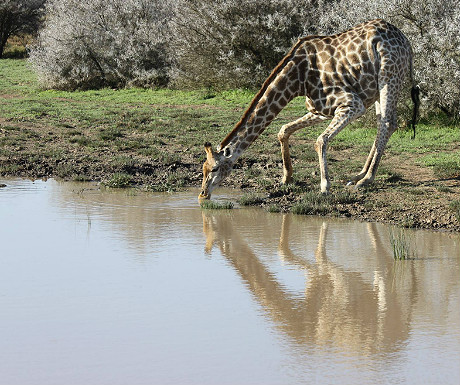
{"points": [[99, 43], [229, 43], [19, 17], [236, 43]]}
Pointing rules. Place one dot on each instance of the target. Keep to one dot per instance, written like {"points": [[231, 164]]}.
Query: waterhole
{"points": [[101, 286]]}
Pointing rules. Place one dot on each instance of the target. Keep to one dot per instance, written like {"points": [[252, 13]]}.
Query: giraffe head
{"points": [[216, 167]]}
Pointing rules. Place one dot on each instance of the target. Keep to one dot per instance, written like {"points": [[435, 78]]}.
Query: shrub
{"points": [[229, 43], [99, 43], [18, 17], [236, 43]]}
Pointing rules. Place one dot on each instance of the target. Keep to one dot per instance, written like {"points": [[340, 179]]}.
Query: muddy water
{"points": [[117, 287]]}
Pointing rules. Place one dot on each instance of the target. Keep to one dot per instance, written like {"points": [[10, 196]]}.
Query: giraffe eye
{"points": [[215, 168]]}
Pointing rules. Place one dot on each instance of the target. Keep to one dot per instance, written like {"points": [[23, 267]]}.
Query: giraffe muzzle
{"points": [[204, 196]]}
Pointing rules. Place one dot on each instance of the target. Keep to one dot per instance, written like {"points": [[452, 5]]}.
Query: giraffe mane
{"points": [[259, 94]]}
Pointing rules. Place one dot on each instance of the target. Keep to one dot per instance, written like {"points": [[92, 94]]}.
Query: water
{"points": [[117, 287]]}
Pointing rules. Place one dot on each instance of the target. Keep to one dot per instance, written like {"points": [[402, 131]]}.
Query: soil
{"points": [[414, 198]]}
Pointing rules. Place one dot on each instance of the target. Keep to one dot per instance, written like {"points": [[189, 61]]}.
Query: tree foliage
{"points": [[19, 17]]}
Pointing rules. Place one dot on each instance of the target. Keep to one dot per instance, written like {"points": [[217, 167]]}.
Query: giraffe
{"points": [[341, 76]]}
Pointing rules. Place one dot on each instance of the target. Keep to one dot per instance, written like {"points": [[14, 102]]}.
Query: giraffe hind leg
{"points": [[344, 114], [365, 169], [387, 125]]}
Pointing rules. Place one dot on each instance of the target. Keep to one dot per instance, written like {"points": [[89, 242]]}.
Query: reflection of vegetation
{"points": [[213, 205], [401, 243]]}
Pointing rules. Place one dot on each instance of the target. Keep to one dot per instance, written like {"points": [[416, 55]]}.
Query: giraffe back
{"points": [[355, 61]]}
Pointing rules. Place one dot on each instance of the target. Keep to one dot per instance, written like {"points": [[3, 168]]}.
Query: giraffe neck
{"points": [[277, 91]]}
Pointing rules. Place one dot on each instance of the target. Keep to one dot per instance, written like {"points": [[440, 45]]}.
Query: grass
{"points": [[445, 165], [401, 243], [316, 203], [455, 207], [155, 138], [251, 199], [274, 208], [119, 180], [214, 205]]}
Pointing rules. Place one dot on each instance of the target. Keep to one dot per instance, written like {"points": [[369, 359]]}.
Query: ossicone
{"points": [[210, 153]]}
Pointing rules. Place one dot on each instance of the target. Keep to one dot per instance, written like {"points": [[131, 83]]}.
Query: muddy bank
{"points": [[410, 199]]}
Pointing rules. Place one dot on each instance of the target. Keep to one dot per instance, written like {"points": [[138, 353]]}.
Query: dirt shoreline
{"points": [[412, 201]]}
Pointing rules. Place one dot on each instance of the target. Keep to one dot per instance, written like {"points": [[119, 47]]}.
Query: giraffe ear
{"points": [[209, 151], [227, 152]]}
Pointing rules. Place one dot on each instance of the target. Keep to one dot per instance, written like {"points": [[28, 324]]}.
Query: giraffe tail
{"points": [[415, 95]]}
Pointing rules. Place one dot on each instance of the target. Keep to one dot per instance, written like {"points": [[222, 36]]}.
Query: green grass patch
{"points": [[455, 207], [119, 180], [315, 203], [110, 134], [214, 205], [251, 199], [445, 165], [402, 243]]}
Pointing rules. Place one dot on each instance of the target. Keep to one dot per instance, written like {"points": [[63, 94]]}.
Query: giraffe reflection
{"points": [[339, 307]]}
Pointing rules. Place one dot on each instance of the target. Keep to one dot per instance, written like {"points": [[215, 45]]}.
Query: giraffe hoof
{"points": [[363, 183], [350, 183]]}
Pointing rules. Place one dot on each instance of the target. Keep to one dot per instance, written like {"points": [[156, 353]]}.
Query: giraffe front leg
{"points": [[287, 164], [283, 136], [320, 147]]}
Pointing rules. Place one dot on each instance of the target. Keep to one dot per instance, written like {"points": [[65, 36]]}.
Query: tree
{"points": [[19, 17]]}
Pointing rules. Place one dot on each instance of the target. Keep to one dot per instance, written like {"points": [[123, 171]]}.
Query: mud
{"points": [[412, 196]]}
